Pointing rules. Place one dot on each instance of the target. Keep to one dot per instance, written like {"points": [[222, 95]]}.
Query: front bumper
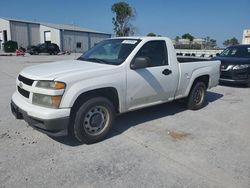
{"points": [[235, 76], [53, 122]]}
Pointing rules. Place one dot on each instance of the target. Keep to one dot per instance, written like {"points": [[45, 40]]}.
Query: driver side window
{"points": [[156, 51]]}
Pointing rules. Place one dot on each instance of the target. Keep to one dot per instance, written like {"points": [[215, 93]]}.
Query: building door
{"points": [[1, 39], [5, 38], [68, 44], [47, 36]]}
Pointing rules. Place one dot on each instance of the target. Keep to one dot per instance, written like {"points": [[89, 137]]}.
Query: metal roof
{"points": [[58, 26], [70, 27]]}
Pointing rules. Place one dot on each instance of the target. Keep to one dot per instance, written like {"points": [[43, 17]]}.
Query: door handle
{"points": [[166, 72]]}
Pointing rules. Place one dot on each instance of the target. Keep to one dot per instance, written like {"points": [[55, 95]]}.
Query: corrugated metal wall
{"points": [[25, 34], [95, 38], [34, 34], [19, 33], [71, 38]]}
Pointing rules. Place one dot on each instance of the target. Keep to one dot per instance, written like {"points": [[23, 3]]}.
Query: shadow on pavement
{"points": [[130, 119], [67, 140], [212, 96]]}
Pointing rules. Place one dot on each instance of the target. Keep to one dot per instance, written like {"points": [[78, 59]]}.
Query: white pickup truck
{"points": [[83, 96]]}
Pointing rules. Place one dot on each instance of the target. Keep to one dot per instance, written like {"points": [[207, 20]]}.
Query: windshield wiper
{"points": [[96, 60]]}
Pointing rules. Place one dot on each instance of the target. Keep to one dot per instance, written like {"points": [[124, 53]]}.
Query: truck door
{"points": [[155, 83]]}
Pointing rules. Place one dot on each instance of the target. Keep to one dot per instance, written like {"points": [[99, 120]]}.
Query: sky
{"points": [[218, 19]]}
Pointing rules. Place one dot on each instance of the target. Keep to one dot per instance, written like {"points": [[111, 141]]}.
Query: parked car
{"points": [[235, 64], [50, 48], [83, 96]]}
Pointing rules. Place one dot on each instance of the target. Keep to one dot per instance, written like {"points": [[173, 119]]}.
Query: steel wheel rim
{"points": [[96, 120], [198, 96]]}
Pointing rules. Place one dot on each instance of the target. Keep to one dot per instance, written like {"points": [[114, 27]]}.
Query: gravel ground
{"points": [[161, 146]]}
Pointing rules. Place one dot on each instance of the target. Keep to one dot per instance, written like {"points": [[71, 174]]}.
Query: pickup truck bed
{"points": [[191, 59]]}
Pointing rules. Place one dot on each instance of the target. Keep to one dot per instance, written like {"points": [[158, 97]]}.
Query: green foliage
{"points": [[177, 38], [123, 15], [188, 36], [10, 46], [230, 42], [151, 34], [210, 43], [207, 43]]}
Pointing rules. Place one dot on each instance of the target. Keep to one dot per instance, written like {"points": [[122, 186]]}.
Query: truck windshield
{"points": [[112, 51]]}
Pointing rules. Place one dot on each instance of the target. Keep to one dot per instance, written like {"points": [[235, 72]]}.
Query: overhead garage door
{"points": [[19, 33], [34, 34], [75, 41]]}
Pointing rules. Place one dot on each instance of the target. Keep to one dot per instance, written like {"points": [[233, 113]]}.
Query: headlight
{"points": [[46, 100], [51, 85], [237, 67]]}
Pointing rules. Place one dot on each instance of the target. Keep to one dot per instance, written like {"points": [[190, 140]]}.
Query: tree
{"points": [[187, 36], [210, 43], [226, 42], [213, 43], [177, 38], [151, 34], [230, 42], [123, 15]]}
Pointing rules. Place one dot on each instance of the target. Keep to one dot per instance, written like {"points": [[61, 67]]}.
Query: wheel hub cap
{"points": [[198, 96], [95, 120]]}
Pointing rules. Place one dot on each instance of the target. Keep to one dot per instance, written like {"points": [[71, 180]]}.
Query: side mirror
{"points": [[217, 54], [139, 63]]}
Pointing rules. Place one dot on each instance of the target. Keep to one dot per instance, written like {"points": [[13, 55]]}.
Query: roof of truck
{"points": [[144, 37]]}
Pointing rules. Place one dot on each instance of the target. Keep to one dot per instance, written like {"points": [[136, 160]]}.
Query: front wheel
{"points": [[93, 120], [197, 97]]}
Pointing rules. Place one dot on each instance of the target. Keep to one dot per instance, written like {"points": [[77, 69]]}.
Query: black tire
{"points": [[197, 98], [103, 114]]}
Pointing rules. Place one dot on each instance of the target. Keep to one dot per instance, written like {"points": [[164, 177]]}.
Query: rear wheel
{"points": [[93, 120], [197, 97]]}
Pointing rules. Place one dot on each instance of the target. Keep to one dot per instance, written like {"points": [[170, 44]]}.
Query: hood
{"points": [[51, 71], [232, 60]]}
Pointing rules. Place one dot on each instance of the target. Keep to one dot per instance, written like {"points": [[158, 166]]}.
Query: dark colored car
{"points": [[50, 48], [235, 64]]}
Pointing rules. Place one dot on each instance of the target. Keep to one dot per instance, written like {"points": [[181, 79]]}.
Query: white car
{"points": [[83, 96]]}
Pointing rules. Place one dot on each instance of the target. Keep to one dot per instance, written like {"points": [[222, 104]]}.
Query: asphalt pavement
{"points": [[161, 146]]}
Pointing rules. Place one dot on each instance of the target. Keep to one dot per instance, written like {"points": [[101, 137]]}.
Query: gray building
{"points": [[246, 36], [67, 37]]}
